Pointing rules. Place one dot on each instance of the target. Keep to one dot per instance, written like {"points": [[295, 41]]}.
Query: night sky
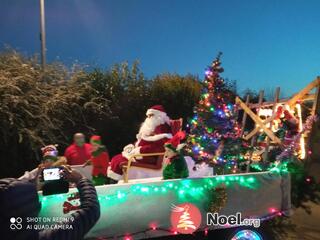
{"points": [[265, 43]]}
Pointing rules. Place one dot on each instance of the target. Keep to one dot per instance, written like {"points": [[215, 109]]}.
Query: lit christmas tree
{"points": [[214, 134]]}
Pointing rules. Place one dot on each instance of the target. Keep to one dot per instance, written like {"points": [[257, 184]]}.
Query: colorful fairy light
{"points": [[187, 189], [302, 142], [214, 124], [183, 188], [289, 150], [247, 235], [273, 210]]}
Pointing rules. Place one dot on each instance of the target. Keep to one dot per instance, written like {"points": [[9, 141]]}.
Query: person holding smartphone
{"points": [[20, 198], [50, 158]]}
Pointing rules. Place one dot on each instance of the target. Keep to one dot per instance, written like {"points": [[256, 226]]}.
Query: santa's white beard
{"points": [[150, 124]]}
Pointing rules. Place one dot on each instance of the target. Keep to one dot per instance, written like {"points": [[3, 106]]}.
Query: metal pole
{"points": [[42, 35]]}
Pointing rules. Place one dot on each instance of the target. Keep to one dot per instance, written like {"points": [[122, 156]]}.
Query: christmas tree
{"points": [[214, 134], [185, 221]]}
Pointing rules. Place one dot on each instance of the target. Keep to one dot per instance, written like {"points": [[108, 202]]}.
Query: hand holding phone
{"points": [[50, 174], [54, 182]]}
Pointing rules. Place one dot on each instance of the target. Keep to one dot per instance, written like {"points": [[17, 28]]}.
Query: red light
{"points": [[206, 232], [273, 210], [175, 232]]}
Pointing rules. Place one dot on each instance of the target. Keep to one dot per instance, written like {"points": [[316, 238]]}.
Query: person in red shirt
{"points": [[99, 160], [78, 152]]}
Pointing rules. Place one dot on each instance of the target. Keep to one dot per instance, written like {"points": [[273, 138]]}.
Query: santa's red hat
{"points": [[156, 109], [95, 139], [174, 142], [49, 151]]}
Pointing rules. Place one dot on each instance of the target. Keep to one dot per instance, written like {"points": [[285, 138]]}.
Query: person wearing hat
{"points": [[99, 160], [19, 199], [175, 165], [153, 133], [50, 156]]}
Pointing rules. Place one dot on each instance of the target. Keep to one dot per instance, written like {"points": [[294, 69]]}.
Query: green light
{"points": [[250, 179], [144, 189], [185, 189]]}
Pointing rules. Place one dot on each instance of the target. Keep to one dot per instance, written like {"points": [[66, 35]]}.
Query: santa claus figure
{"points": [[291, 124], [153, 133]]}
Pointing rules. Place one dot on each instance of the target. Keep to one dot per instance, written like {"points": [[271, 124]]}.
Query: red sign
{"points": [[185, 218]]}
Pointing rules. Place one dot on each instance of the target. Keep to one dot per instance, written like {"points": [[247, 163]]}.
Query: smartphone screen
{"points": [[51, 174]]}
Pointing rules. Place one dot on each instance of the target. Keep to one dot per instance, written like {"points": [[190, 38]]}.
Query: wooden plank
{"points": [[261, 95], [307, 97], [314, 105], [252, 133], [257, 128], [126, 168], [254, 137], [274, 108], [302, 95], [244, 117], [303, 92], [257, 120]]}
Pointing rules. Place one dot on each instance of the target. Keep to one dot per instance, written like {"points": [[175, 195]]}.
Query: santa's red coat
{"points": [[148, 146], [151, 144]]}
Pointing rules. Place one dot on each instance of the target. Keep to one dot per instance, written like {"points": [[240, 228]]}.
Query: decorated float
{"points": [[231, 170]]}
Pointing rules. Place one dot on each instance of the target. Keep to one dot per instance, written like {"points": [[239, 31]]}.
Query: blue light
{"points": [[247, 235]]}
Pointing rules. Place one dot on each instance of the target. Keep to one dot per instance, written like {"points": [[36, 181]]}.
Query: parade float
{"points": [[231, 170]]}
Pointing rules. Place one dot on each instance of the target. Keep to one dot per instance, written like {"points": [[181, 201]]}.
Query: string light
{"points": [[289, 150], [186, 189], [213, 122], [183, 188], [302, 143]]}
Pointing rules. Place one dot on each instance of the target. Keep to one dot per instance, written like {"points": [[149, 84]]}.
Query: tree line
{"points": [[47, 107]]}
